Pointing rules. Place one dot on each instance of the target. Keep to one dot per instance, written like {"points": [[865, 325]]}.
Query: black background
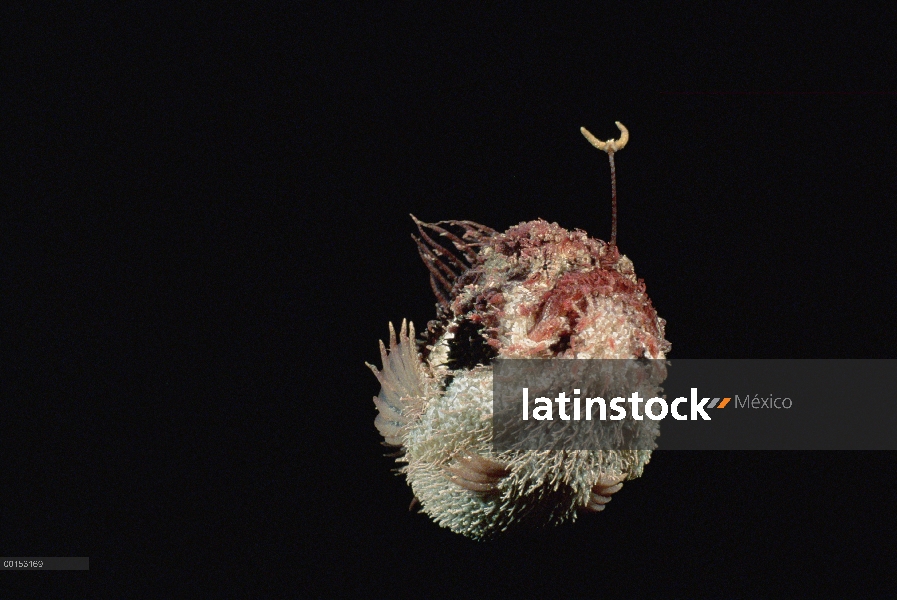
{"points": [[209, 232]]}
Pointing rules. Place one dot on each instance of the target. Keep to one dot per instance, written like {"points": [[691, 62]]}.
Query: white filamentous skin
{"points": [[460, 421]]}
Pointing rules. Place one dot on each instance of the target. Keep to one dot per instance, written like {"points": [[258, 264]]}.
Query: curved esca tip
{"points": [[609, 145]]}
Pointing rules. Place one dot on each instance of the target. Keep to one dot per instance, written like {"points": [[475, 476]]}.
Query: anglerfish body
{"points": [[534, 291]]}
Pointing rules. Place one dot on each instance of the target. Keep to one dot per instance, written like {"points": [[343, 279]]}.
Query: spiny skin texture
{"points": [[535, 291]]}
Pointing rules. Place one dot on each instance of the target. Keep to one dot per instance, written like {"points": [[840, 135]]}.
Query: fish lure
{"points": [[534, 291]]}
